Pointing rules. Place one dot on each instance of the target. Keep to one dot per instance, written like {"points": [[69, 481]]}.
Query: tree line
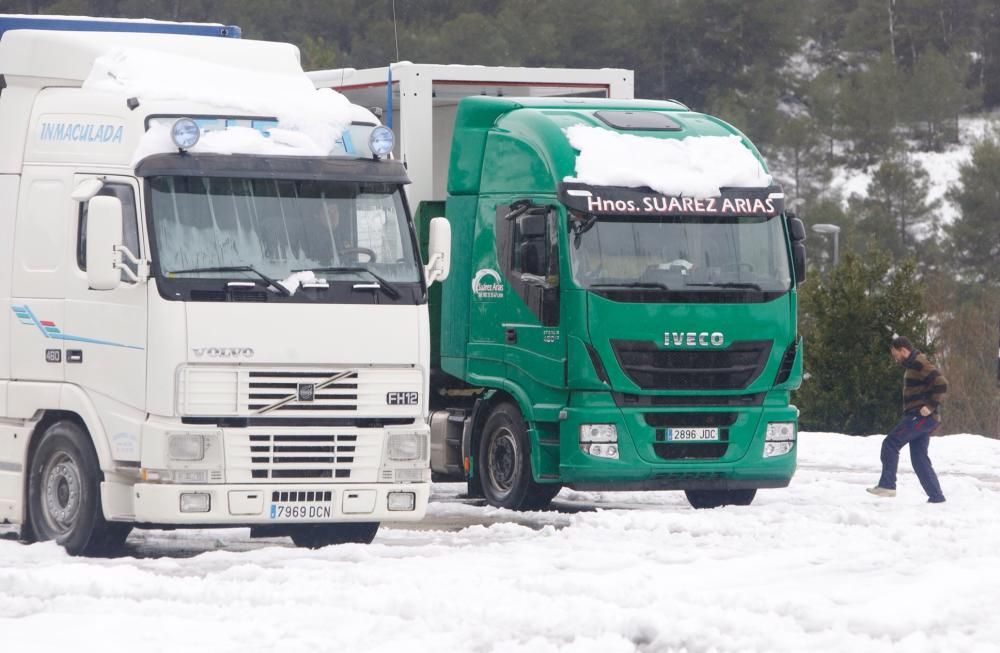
{"points": [[818, 85]]}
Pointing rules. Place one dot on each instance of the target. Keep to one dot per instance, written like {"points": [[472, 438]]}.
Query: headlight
{"points": [[186, 446], [777, 448], [780, 432], [185, 133], [599, 440], [406, 446], [598, 433]]}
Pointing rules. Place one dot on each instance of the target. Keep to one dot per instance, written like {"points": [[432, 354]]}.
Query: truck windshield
{"points": [[214, 227], [679, 254]]}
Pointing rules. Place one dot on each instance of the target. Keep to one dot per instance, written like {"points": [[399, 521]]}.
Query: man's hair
{"points": [[902, 342]]}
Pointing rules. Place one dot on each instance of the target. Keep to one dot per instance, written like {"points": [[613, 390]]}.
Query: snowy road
{"points": [[819, 566]]}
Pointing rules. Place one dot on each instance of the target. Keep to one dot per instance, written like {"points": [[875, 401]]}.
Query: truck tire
{"points": [[64, 494], [718, 498], [504, 463], [320, 535]]}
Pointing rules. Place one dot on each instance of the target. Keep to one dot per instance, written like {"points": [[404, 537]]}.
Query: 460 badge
{"points": [[280, 511]]}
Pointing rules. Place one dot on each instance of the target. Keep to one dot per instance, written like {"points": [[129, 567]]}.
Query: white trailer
{"points": [[424, 98], [153, 373]]}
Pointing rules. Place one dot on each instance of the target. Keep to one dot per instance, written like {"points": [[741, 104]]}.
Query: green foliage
{"points": [[975, 235], [853, 385], [896, 209], [933, 96], [869, 109]]}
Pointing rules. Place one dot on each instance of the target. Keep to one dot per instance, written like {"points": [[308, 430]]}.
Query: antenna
{"points": [[395, 34]]}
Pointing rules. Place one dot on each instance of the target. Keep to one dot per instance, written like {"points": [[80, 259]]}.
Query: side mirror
{"points": [[796, 229], [104, 234], [799, 261], [532, 224], [438, 251]]}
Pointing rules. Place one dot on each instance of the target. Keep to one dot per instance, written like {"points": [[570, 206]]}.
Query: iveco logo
{"points": [[223, 352], [693, 339]]}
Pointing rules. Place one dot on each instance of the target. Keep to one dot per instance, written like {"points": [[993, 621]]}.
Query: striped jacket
{"points": [[923, 385]]}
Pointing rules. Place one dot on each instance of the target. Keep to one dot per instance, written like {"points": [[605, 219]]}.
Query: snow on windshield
{"points": [[309, 120], [696, 166]]}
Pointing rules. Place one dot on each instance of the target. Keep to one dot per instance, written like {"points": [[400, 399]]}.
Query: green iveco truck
{"points": [[593, 335]]}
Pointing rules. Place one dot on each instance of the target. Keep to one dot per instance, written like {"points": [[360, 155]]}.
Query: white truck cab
{"points": [[200, 337]]}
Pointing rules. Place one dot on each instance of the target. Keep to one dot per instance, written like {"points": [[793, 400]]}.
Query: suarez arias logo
{"points": [[487, 284]]}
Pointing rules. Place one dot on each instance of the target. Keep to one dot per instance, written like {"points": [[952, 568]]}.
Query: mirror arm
{"points": [[431, 270], [125, 253]]}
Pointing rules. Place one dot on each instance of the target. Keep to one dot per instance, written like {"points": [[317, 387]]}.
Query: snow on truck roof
{"points": [[197, 74], [696, 166]]}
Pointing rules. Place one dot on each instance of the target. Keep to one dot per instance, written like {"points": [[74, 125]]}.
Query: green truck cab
{"points": [[605, 337]]}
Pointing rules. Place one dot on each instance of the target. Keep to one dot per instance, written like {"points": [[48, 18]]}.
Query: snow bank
{"points": [[696, 166], [818, 566], [309, 120]]}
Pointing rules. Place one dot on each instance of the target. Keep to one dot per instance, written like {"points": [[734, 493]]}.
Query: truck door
{"points": [[528, 252], [105, 330]]}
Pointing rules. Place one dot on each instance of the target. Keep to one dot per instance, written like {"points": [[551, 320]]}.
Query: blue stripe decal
{"points": [[28, 317]]}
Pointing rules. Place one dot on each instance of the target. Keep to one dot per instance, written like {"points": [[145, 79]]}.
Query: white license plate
{"points": [[701, 434], [280, 511]]}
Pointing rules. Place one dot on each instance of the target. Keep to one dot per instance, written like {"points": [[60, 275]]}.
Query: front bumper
{"points": [[284, 504], [645, 461]]}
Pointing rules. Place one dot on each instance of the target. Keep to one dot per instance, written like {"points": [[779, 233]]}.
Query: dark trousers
{"points": [[914, 431]]}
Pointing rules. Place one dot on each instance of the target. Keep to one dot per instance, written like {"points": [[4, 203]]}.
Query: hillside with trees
{"points": [[823, 87]]}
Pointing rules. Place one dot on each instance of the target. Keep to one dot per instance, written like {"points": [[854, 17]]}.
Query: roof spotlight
{"points": [[185, 133], [381, 141]]}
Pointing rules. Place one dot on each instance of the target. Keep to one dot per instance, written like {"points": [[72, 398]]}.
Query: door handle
{"points": [[510, 336]]}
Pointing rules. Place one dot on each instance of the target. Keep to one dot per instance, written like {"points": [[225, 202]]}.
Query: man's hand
{"points": [[925, 411]]}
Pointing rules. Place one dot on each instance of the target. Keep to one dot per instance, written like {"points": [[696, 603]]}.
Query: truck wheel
{"points": [[64, 494], [718, 498], [320, 535], [504, 463]]}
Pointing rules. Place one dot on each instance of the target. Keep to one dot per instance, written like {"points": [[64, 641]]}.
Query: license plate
{"points": [[280, 511], [700, 434]]}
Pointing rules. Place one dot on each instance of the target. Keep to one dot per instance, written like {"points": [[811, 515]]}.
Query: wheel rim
{"points": [[502, 462], [61, 493]]}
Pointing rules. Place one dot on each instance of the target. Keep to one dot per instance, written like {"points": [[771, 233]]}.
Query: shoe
{"points": [[880, 491], [941, 500]]}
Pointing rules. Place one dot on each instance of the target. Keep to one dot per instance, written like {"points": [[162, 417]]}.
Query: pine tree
{"points": [[975, 234], [895, 215], [853, 385]]}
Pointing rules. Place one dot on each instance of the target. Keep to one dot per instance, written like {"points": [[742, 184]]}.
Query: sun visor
{"points": [[273, 167]]}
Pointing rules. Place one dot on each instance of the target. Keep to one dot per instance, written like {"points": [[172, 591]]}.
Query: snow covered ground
{"points": [[819, 566]]}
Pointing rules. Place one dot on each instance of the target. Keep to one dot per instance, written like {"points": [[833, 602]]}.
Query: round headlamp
{"points": [[381, 141], [185, 133]]}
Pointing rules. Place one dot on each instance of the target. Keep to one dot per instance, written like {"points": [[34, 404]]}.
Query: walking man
{"points": [[923, 389]]}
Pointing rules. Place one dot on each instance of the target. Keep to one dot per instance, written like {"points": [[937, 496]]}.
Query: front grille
{"points": [[297, 395], [628, 400], [269, 388], [303, 456], [787, 361], [652, 368], [302, 496]]}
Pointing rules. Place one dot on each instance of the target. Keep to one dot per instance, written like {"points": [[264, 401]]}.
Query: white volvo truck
{"points": [[195, 336]]}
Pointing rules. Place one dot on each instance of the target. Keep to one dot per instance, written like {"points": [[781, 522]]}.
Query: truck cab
{"points": [[596, 333], [216, 312]]}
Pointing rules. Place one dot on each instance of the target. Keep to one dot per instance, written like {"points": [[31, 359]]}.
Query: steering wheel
{"points": [[741, 266], [677, 262], [358, 250]]}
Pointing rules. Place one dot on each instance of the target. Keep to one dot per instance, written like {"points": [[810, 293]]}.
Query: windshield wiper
{"points": [[727, 284], [386, 286], [631, 284], [237, 268]]}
